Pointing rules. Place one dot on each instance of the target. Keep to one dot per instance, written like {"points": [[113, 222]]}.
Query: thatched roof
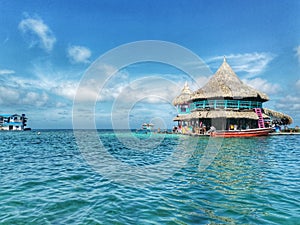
{"points": [[185, 117], [213, 114], [184, 96], [278, 115], [226, 84]]}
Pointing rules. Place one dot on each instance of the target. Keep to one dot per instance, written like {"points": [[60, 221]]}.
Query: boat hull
{"points": [[143, 131], [242, 133]]}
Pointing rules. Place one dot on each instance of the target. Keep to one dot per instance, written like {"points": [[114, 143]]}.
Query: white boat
{"points": [[146, 128]]}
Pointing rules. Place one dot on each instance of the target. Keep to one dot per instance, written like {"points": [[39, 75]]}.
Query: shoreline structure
{"points": [[13, 122], [225, 104]]}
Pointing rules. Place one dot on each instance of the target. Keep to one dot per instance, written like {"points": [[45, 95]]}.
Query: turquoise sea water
{"points": [[45, 179]]}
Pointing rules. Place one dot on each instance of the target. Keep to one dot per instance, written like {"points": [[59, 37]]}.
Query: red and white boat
{"points": [[242, 133]]}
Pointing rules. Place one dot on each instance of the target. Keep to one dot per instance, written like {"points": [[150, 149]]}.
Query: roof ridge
{"points": [[225, 83]]}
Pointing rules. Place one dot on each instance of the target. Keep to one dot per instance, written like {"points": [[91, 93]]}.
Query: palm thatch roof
{"points": [[185, 117], [226, 84], [213, 114], [278, 115], [184, 96]]}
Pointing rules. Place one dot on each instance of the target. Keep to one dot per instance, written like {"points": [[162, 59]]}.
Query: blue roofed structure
{"points": [[13, 122]]}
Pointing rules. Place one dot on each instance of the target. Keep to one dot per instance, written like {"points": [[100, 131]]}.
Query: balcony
{"points": [[225, 104]]}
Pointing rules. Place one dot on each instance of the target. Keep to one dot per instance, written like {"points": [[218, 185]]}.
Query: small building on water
{"points": [[224, 103], [13, 122]]}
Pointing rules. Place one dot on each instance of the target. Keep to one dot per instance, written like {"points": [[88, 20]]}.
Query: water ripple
{"points": [[45, 180]]}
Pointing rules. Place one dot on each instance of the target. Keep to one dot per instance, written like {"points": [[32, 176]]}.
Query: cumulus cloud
{"points": [[79, 54], [89, 90], [200, 82], [38, 92], [250, 63], [291, 105], [66, 89], [289, 101], [262, 85], [59, 84], [9, 96], [151, 89], [39, 99], [297, 49], [6, 72], [159, 114], [298, 84], [132, 87], [39, 33]]}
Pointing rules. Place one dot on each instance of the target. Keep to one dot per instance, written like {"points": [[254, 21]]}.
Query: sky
{"points": [[48, 47]]}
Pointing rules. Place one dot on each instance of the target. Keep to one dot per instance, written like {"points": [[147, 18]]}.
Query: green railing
{"points": [[225, 104], [220, 104]]}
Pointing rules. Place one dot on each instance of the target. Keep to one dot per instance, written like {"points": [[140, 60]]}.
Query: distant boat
{"points": [[242, 133], [146, 128]]}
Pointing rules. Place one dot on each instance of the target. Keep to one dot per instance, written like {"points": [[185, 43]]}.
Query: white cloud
{"points": [[200, 82], [290, 103], [6, 72], [8, 94], [79, 54], [101, 86], [38, 99], [250, 63], [11, 96], [60, 84], [152, 89], [298, 84], [66, 89], [297, 49], [132, 87], [262, 85], [60, 105], [43, 90], [39, 33], [141, 112]]}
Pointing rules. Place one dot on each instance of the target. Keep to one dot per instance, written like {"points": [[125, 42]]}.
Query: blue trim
{"points": [[12, 124]]}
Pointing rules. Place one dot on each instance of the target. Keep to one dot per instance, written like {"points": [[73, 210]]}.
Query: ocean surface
{"points": [[58, 177]]}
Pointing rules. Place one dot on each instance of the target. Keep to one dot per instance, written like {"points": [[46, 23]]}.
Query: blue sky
{"points": [[47, 46]]}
